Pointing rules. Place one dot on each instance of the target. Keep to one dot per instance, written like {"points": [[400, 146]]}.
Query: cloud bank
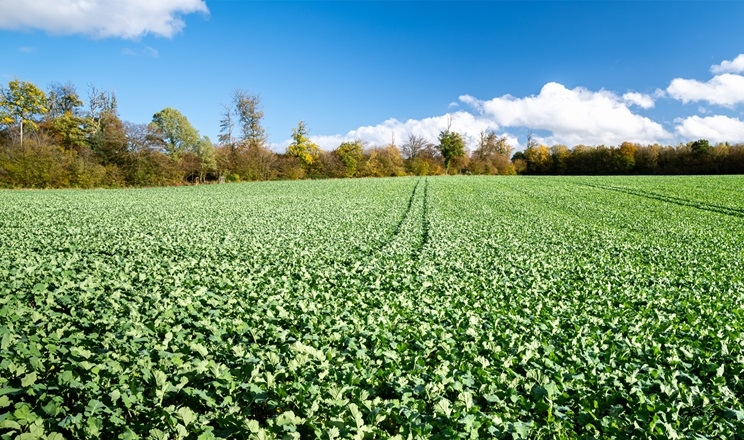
{"points": [[716, 128], [734, 66], [100, 18], [575, 116], [726, 89], [571, 116]]}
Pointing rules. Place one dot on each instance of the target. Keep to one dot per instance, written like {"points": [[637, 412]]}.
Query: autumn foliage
{"points": [[54, 139]]}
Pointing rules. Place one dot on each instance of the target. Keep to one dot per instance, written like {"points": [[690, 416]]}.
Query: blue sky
{"points": [[590, 72]]}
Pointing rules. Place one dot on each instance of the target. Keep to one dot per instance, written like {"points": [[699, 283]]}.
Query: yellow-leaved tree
{"points": [[20, 103], [302, 147]]}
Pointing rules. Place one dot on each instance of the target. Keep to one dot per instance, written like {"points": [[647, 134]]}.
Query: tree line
{"points": [[52, 139], [697, 157]]}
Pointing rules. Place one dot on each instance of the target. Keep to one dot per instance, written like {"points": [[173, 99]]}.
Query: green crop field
{"points": [[439, 307]]}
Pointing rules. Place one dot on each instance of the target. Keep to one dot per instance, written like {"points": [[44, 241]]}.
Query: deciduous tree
{"points": [[101, 103], [451, 146], [302, 147], [177, 133], [492, 155], [20, 103], [249, 112], [561, 155], [73, 132], [700, 147], [226, 137], [61, 99], [207, 157], [110, 141], [351, 155], [413, 146], [624, 158], [383, 162], [538, 158]]}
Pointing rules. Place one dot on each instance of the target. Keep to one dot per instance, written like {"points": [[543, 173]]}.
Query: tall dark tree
{"points": [[700, 147], [451, 146], [110, 142]]}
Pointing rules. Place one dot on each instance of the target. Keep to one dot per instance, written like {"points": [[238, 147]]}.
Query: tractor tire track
{"points": [[424, 219], [353, 259], [671, 199], [399, 226], [412, 232]]}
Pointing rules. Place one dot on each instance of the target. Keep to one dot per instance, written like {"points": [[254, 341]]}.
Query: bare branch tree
{"points": [[249, 112], [490, 144], [413, 146], [62, 98]]}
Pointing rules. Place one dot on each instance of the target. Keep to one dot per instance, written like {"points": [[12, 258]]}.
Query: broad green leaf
{"points": [[187, 415], [29, 379]]}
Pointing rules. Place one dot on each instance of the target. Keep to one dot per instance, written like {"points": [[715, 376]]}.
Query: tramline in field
{"points": [[436, 307]]}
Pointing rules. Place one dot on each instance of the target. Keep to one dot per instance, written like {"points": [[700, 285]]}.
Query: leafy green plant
{"points": [[437, 307]]}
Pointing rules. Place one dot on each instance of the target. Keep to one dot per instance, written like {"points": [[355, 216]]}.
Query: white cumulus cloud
{"points": [[726, 89], [734, 66], [570, 116], [100, 18], [716, 128], [574, 116], [639, 99]]}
